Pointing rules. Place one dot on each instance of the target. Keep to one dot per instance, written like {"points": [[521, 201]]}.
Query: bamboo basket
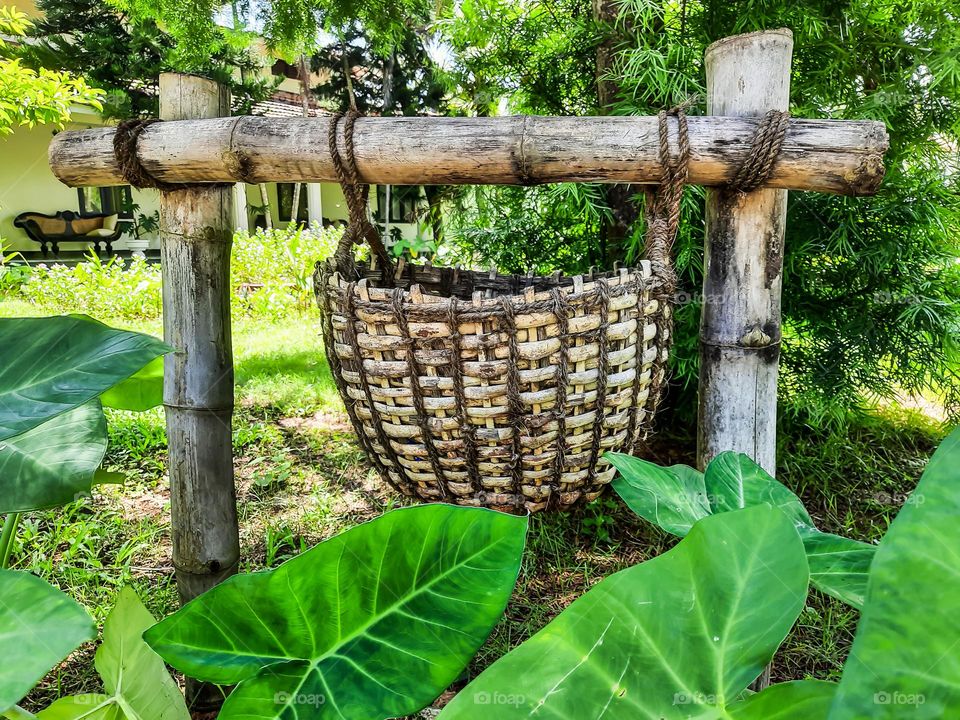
{"points": [[493, 390]]}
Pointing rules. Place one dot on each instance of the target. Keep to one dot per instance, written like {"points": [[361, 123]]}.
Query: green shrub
{"points": [[271, 269], [96, 287], [270, 276]]}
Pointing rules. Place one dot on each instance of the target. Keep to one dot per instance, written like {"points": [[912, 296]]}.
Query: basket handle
{"points": [[356, 193], [662, 206]]}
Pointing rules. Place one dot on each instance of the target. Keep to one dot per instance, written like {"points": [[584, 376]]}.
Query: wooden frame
{"points": [[836, 156], [747, 75]]}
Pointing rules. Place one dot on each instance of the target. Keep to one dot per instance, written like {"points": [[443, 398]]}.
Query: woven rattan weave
{"points": [[502, 391], [504, 396]]}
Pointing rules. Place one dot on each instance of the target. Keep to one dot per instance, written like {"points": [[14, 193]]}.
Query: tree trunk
{"points": [[434, 195], [303, 72], [624, 209], [388, 84], [196, 234], [265, 204], [347, 73]]}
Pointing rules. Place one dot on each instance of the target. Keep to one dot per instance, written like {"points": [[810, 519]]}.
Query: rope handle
{"points": [[356, 193], [663, 205]]}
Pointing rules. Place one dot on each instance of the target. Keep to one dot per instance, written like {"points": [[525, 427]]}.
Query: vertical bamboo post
{"points": [[747, 75], [196, 235]]}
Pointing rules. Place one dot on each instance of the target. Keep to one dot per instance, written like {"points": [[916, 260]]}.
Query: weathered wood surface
{"points": [[824, 155], [195, 238], [740, 320]]}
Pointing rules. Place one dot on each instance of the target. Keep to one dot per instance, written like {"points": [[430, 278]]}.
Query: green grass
{"points": [[301, 478]]}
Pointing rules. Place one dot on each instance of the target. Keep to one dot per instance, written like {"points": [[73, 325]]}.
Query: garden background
{"points": [[871, 293]]}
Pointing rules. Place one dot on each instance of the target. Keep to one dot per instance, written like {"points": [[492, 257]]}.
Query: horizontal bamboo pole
{"points": [[833, 156]]}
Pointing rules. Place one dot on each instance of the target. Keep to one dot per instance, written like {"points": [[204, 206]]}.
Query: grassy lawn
{"points": [[301, 478]]}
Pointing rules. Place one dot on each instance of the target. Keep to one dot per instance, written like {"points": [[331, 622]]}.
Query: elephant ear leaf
{"points": [[800, 700], [672, 498], [904, 661], [141, 391], [839, 566], [735, 481], [676, 497], [679, 636], [55, 463], [92, 706], [373, 623], [39, 627], [49, 366], [136, 682], [132, 672]]}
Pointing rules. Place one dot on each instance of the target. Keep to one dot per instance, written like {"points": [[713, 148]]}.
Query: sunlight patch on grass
{"points": [[282, 367]]}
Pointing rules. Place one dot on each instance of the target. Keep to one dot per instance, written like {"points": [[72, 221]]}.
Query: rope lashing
{"points": [[125, 153], [356, 193], [764, 151], [663, 205], [662, 212]]}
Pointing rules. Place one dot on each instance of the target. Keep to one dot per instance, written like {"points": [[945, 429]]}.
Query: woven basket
{"points": [[491, 390], [502, 391]]}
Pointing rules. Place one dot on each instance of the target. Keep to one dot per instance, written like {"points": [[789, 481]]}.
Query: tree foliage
{"points": [[125, 55], [291, 27], [871, 285], [31, 96], [403, 81]]}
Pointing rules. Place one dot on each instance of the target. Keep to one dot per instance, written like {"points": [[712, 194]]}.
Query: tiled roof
{"points": [[285, 104]]}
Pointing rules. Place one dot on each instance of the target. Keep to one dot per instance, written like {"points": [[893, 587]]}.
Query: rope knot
{"points": [[356, 194], [765, 148], [126, 154]]}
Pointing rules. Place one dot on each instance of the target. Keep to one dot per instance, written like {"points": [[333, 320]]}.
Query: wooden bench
{"points": [[68, 226]]}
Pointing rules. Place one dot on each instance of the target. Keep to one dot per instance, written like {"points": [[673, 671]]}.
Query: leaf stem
{"points": [[6, 538]]}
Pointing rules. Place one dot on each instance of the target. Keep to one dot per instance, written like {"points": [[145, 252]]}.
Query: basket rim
{"points": [[575, 288]]}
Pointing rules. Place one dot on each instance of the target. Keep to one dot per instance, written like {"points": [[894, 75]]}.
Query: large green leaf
{"points": [[141, 391], [905, 660], [675, 498], [137, 684], [800, 700], [51, 365], [373, 623], [39, 627], [679, 636], [734, 481], [839, 566], [54, 463], [92, 706]]}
